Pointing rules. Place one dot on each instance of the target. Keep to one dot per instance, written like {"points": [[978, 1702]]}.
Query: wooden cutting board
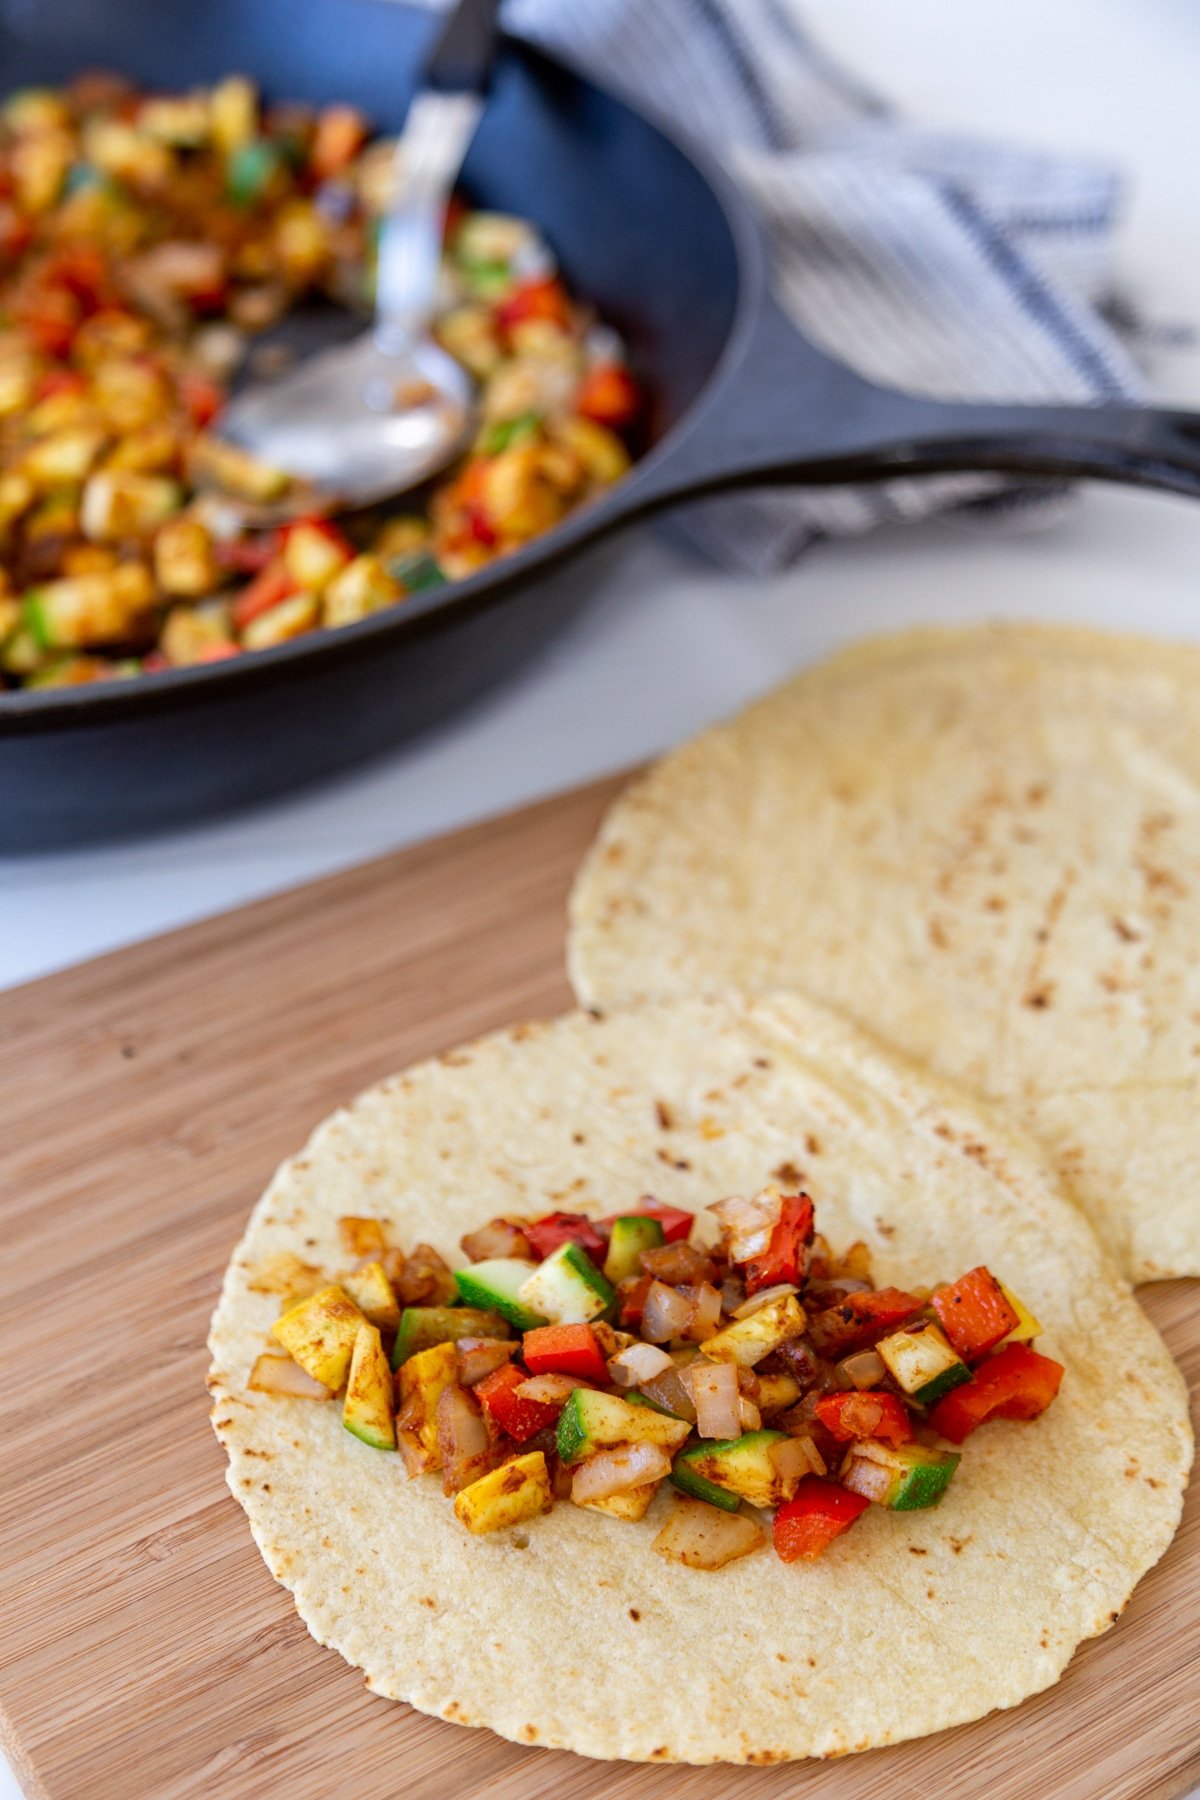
{"points": [[144, 1650]]}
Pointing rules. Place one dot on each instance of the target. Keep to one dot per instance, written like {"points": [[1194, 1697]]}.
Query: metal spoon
{"points": [[365, 420]]}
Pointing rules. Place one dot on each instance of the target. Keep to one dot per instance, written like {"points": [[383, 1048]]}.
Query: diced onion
{"points": [[714, 1390], [749, 1222], [616, 1471], [669, 1391], [763, 1298], [497, 1238], [795, 1458], [549, 1390], [705, 1315], [638, 1363], [463, 1442], [481, 1356], [280, 1375], [665, 1314], [704, 1537], [864, 1369]]}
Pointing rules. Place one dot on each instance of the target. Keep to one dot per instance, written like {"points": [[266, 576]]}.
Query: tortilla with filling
{"points": [[982, 845], [572, 1631]]}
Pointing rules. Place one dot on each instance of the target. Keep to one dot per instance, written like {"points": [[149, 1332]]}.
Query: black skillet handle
{"points": [[783, 413], [463, 57]]}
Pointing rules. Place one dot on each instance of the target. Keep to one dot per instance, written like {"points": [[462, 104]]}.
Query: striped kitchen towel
{"points": [[940, 264]]}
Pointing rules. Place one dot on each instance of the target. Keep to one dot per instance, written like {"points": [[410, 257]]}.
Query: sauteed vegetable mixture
{"points": [[591, 1361], [145, 241]]}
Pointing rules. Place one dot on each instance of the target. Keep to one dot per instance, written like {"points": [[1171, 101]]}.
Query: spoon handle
{"points": [[437, 133]]}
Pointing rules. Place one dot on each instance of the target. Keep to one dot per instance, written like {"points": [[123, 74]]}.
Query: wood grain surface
{"points": [[144, 1650]]}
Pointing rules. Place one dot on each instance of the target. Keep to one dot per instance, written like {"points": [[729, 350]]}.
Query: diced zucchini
{"points": [[423, 1380], [567, 1288], [923, 1363], [374, 1295], [1026, 1327], [423, 1326], [630, 1236], [743, 1467], [905, 1479], [367, 1408], [633, 1504], [416, 571], [509, 1495], [685, 1478], [775, 1392], [319, 1333], [496, 1284], [82, 610], [748, 1340], [592, 1421]]}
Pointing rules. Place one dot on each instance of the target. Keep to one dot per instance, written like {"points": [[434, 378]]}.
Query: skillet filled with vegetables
{"points": [[146, 241], [758, 1372]]}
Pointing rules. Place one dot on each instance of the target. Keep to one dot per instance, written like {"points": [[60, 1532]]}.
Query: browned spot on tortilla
{"points": [[762, 1062], [1039, 999], [958, 1545], [931, 1593], [937, 935], [1036, 793], [884, 1229], [812, 1143], [996, 903], [916, 1550], [780, 1657], [659, 1754], [1125, 931], [634, 1614], [429, 1601], [788, 1174], [672, 1162], [529, 1733], [662, 1113], [577, 1137]]}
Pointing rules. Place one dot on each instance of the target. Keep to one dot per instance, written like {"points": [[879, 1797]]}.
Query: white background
{"points": [[671, 644]]}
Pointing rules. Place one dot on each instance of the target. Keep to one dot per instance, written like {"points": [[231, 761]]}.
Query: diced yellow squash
{"points": [[423, 1379], [119, 149], [312, 557], [600, 451], [292, 618], [367, 1408], [301, 240], [180, 120], [82, 610], [119, 503], [401, 536], [373, 1294], [39, 164], [190, 634], [229, 467], [518, 500], [36, 109], [151, 449], [516, 1491], [1026, 1327], [65, 457], [233, 112], [747, 1341], [362, 1237], [319, 1333], [775, 1392], [633, 1504], [184, 562], [362, 587], [89, 559]]}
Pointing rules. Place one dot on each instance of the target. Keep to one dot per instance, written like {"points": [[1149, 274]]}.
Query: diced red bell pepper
{"points": [[861, 1318], [506, 1411], [201, 398], [819, 1512], [545, 1235], [973, 1313], [784, 1257], [543, 299], [269, 587], [609, 395], [676, 1223], [631, 1296], [220, 651], [248, 555], [59, 381], [565, 1350], [865, 1415], [1016, 1383]]}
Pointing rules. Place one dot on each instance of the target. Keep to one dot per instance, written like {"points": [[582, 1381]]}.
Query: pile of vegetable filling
{"points": [[146, 242], [590, 1361]]}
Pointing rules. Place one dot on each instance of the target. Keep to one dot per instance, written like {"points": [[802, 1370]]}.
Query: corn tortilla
{"points": [[982, 845], [572, 1631]]}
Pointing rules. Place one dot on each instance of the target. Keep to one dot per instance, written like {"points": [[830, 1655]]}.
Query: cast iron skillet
{"points": [[663, 245]]}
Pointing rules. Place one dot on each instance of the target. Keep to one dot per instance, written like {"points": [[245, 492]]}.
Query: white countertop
{"points": [[671, 644]]}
